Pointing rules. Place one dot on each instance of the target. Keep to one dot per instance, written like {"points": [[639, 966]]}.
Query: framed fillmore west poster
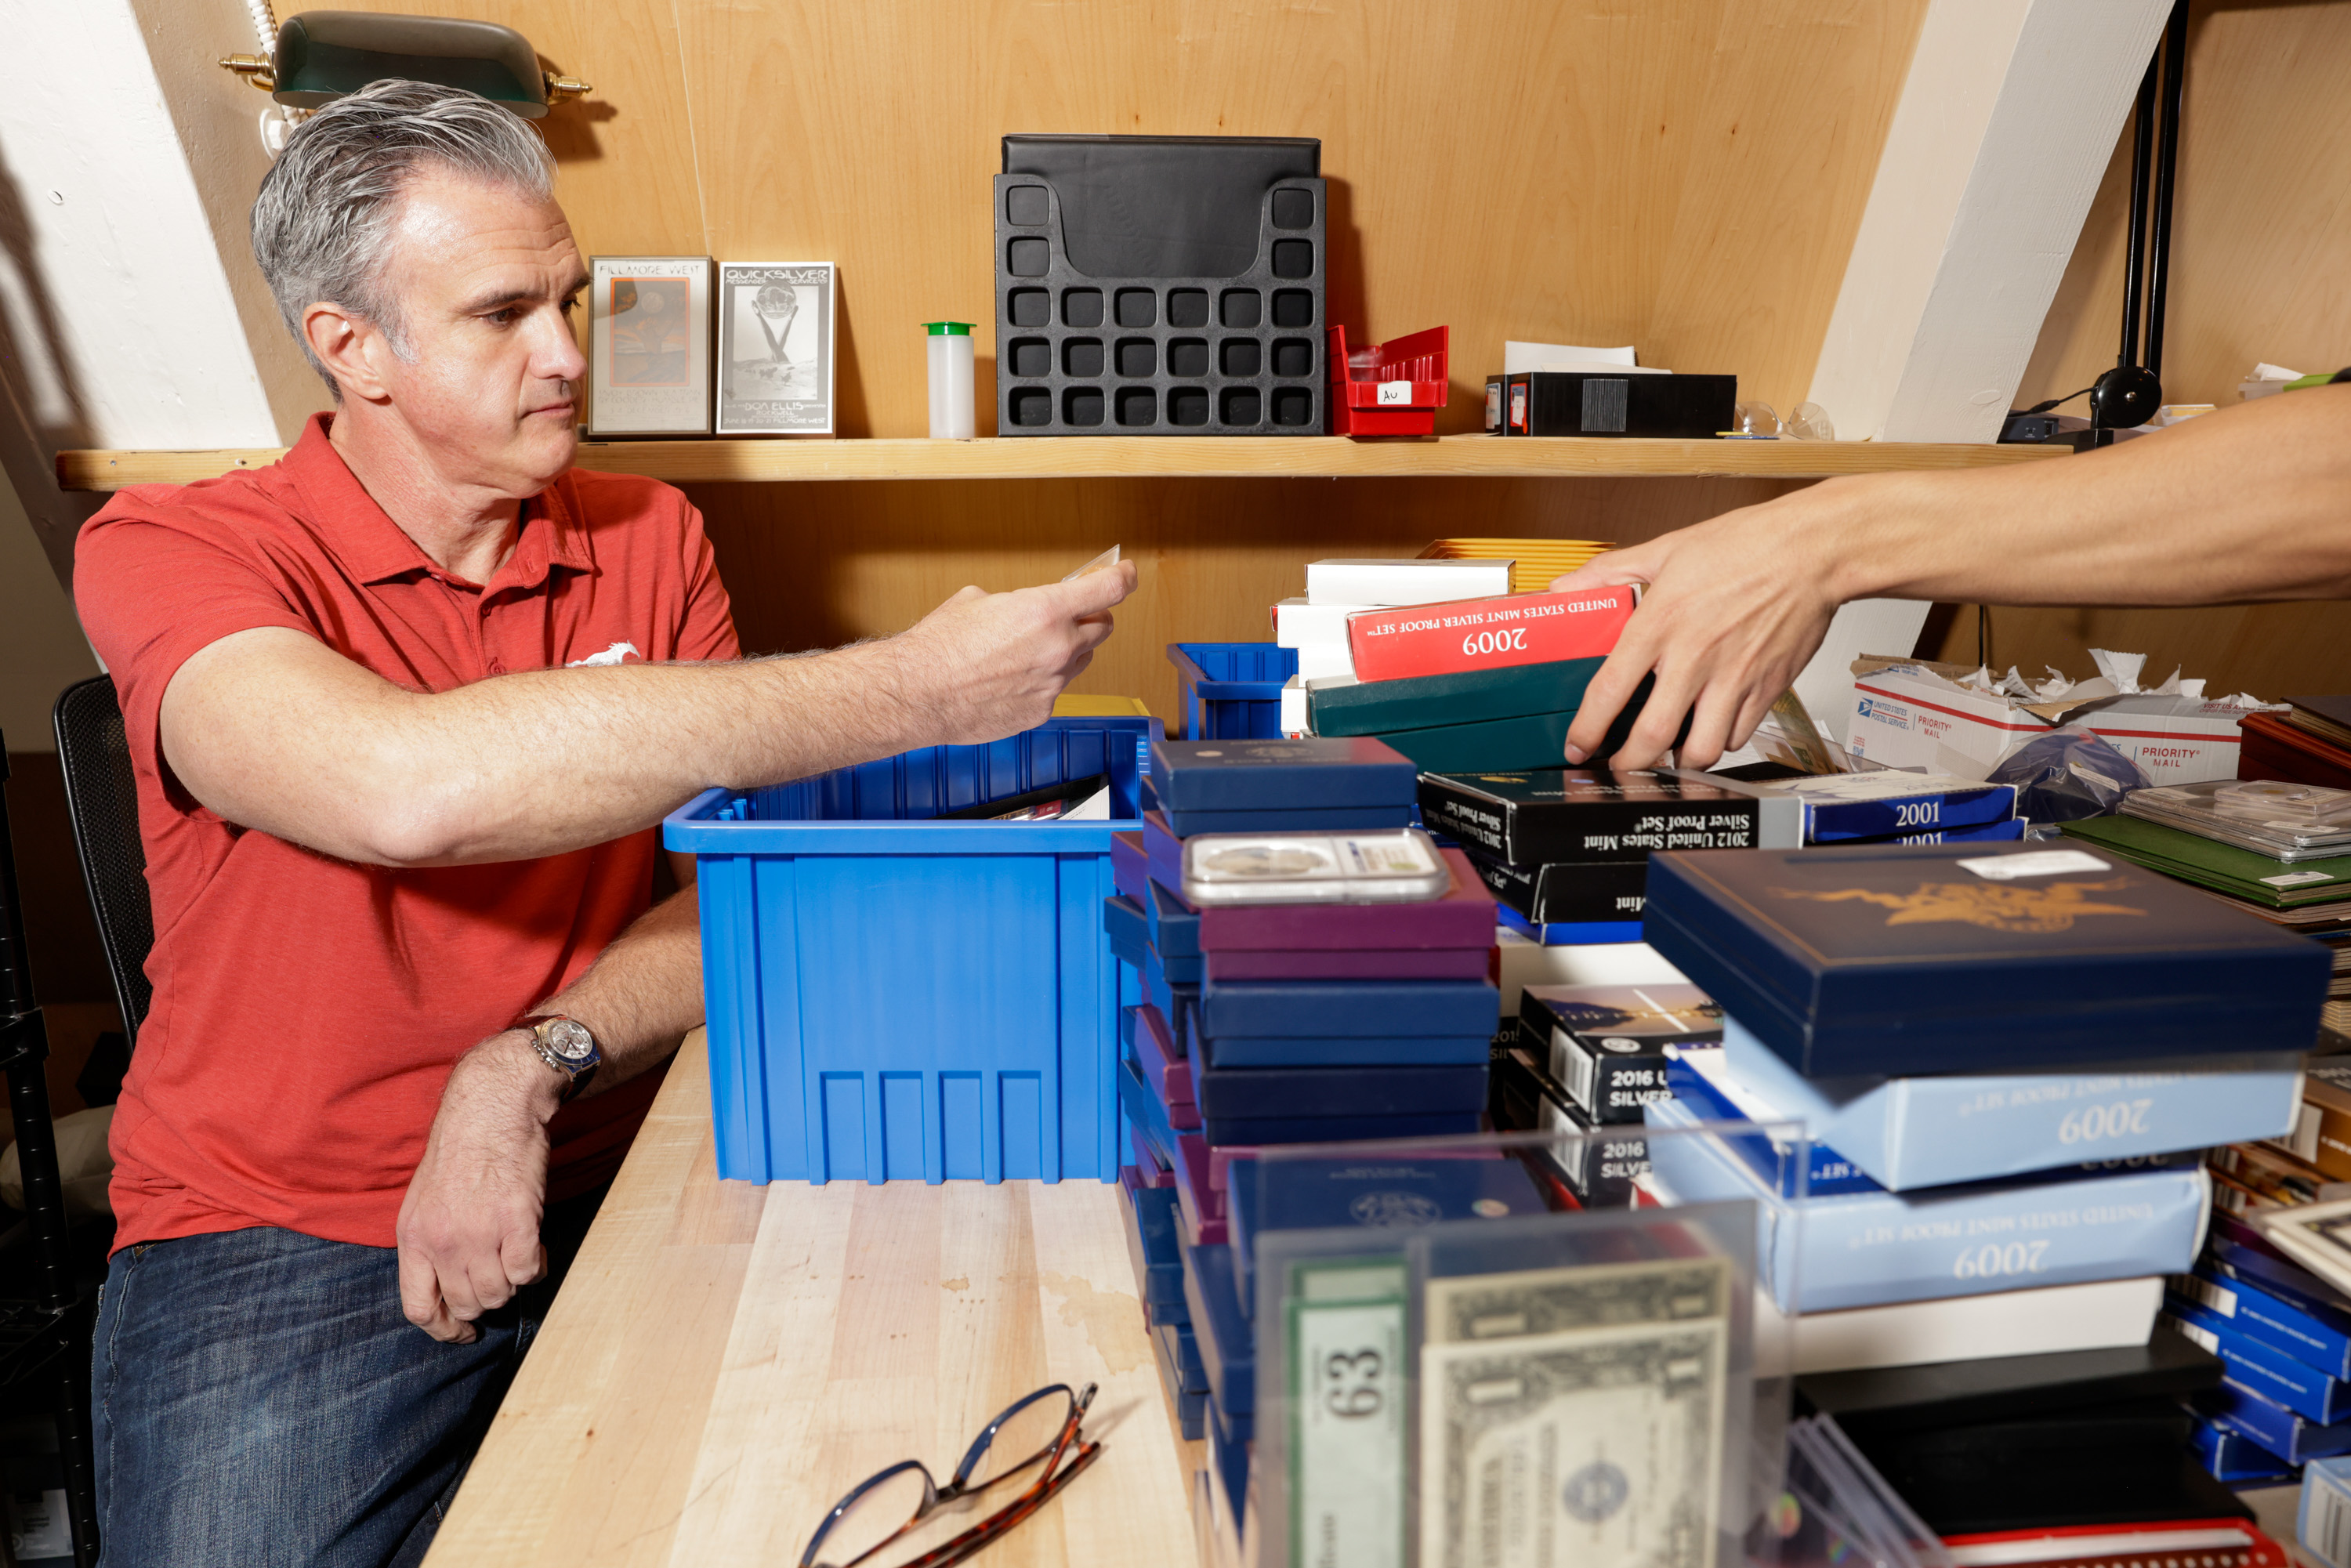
{"points": [[649, 345], [774, 348]]}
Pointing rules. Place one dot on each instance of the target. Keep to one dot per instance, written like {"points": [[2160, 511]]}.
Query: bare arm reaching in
{"points": [[2245, 506], [273, 730]]}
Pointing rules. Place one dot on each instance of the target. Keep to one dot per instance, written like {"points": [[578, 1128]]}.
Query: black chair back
{"points": [[50, 1333], [102, 797]]}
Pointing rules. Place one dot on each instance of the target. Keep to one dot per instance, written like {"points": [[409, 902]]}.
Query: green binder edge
{"points": [[1497, 745], [2207, 863], [1454, 701]]}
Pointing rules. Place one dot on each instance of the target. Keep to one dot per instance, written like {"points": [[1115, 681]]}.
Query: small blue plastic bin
{"points": [[895, 998], [1231, 691]]}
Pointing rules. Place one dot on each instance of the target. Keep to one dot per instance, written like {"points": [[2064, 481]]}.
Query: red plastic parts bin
{"points": [[1399, 394]]}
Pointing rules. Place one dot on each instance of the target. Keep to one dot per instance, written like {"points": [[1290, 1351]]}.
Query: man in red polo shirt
{"points": [[404, 710]]}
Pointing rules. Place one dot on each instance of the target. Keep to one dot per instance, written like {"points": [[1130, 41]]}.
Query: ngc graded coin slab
{"points": [[649, 345], [774, 348]]}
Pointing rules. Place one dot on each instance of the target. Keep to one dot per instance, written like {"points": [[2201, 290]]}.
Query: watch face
{"points": [[569, 1040]]}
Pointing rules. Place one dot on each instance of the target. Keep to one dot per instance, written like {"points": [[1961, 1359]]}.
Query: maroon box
{"points": [[1352, 964]]}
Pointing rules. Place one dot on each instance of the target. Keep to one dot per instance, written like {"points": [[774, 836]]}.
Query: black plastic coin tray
{"points": [[1159, 356]]}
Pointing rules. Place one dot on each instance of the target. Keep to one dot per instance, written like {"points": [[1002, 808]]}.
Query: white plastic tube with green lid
{"points": [[952, 409]]}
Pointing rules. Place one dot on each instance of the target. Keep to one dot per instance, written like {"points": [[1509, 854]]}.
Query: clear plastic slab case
{"points": [[2290, 822], [1458, 1362]]}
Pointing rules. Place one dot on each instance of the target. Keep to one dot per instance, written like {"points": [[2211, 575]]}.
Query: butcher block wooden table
{"points": [[727, 1360]]}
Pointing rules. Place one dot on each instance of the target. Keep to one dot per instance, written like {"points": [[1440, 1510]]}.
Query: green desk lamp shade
{"points": [[323, 55]]}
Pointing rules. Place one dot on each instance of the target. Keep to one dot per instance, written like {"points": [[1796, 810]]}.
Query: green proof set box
{"points": [[893, 997]]}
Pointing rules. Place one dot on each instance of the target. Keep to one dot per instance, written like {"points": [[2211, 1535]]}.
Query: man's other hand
{"points": [[1732, 608], [986, 665], [468, 1228]]}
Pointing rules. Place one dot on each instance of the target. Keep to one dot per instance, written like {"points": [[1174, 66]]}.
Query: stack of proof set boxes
{"points": [[1315, 623], [1442, 661], [1304, 968], [2005, 1058]]}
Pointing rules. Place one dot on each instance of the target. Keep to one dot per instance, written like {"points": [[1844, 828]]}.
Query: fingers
{"points": [[420, 1287], [1094, 634], [525, 1260], [444, 1289], [1603, 699], [421, 1302], [1096, 591], [1711, 721], [1750, 713], [1653, 733], [1611, 568]]}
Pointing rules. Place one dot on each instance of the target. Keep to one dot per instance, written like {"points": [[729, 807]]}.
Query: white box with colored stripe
{"points": [[1946, 719]]}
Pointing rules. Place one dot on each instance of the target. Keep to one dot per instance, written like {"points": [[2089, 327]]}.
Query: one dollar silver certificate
{"points": [[1574, 1417]]}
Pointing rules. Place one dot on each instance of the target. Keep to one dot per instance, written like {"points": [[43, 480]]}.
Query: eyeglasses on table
{"points": [[902, 1517]]}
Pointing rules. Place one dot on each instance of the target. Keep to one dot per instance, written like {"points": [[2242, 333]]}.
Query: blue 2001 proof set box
{"points": [[893, 998]]}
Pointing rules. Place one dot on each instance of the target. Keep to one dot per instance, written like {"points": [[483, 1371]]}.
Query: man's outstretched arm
{"points": [[273, 730], [2248, 504], [468, 1229]]}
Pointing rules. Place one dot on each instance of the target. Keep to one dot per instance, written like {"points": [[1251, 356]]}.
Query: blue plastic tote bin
{"points": [[1231, 691], [895, 998]]}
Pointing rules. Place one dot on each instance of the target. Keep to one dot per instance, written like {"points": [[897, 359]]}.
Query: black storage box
{"points": [[1159, 285], [1577, 402]]}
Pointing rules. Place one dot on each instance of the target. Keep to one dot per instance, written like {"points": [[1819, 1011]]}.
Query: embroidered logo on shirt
{"points": [[612, 655]]}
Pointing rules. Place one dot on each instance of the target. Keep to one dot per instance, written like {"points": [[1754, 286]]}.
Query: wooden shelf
{"points": [[1152, 457]]}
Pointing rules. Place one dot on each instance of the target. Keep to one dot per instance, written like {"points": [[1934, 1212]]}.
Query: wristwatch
{"points": [[565, 1045]]}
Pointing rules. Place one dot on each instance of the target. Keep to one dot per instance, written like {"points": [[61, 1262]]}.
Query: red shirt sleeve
{"points": [[151, 589], [709, 628]]}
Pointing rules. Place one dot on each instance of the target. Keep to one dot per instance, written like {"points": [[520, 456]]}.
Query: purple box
{"points": [[1155, 1053], [1202, 1207], [1164, 852], [1128, 870], [1148, 1171], [1359, 964]]}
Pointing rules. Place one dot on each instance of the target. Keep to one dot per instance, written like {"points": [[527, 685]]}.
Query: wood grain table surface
{"points": [[726, 1360]]}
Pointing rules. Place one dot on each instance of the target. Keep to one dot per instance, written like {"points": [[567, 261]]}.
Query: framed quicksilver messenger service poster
{"points": [[774, 348], [649, 345]]}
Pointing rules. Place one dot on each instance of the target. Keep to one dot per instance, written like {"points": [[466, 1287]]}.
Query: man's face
{"points": [[485, 277]]}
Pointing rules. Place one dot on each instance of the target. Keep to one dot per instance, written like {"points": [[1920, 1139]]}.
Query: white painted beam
{"points": [[122, 327], [2005, 125]]}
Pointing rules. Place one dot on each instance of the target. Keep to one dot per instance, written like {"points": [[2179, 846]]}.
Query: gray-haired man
{"points": [[404, 708]]}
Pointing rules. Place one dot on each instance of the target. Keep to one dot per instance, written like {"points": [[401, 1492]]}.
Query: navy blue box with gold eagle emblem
{"points": [[1899, 960]]}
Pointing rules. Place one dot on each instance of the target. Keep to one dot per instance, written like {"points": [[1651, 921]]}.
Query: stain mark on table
{"points": [[1112, 1320]]}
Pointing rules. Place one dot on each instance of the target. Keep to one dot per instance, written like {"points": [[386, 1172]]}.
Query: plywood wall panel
{"points": [[2260, 247], [813, 566], [1685, 175], [2273, 651], [2262, 237]]}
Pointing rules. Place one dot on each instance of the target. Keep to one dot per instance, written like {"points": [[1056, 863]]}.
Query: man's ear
{"points": [[349, 345]]}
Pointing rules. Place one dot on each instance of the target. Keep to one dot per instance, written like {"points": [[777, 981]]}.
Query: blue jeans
{"points": [[259, 1401]]}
